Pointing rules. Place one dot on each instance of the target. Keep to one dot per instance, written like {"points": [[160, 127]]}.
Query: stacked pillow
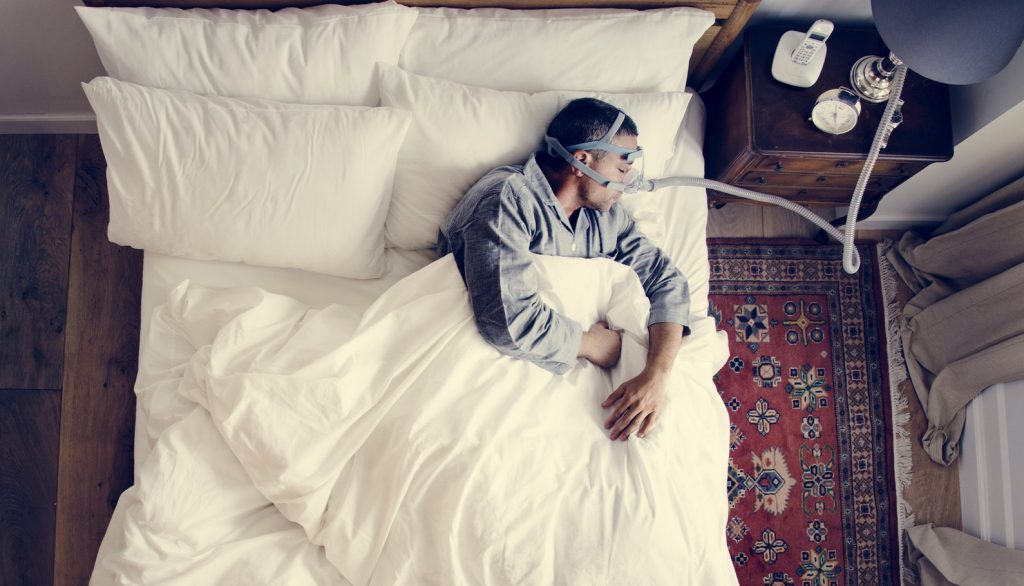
{"points": [[257, 136], [261, 182], [202, 164]]}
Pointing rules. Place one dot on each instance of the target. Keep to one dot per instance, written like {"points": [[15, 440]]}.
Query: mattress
{"points": [[675, 219]]}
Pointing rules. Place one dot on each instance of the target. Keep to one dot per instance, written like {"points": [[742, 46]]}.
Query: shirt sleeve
{"points": [[503, 289], [664, 284]]}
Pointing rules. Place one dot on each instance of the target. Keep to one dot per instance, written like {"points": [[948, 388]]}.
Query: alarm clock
{"points": [[836, 111]]}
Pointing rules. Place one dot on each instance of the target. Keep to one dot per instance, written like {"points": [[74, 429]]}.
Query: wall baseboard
{"points": [[84, 123]]}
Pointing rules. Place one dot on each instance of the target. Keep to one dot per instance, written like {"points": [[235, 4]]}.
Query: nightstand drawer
{"points": [[811, 197], [754, 179], [837, 166]]}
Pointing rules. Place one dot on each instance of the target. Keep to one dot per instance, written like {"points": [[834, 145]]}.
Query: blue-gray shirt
{"points": [[512, 212]]}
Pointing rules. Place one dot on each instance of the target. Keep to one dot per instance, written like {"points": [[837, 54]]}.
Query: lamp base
{"points": [[871, 76]]}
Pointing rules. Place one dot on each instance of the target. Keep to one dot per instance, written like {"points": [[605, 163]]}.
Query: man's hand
{"points": [[636, 404], [601, 345]]}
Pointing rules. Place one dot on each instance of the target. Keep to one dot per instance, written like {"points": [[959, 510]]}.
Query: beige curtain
{"points": [[945, 557], [964, 328]]}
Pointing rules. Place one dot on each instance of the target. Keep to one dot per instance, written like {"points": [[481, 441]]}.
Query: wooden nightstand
{"points": [[759, 134]]}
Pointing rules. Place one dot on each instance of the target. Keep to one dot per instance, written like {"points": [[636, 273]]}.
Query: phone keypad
{"points": [[803, 54]]}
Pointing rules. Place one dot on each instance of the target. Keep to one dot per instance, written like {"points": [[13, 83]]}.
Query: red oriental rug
{"points": [[811, 486]]}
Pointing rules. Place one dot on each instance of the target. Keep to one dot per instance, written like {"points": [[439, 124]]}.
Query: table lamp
{"points": [[949, 41]]}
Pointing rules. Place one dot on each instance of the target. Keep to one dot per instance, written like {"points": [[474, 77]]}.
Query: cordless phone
{"points": [[800, 56]]}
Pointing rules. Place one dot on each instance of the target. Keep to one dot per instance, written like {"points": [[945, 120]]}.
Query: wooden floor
{"points": [[69, 326], [69, 331]]}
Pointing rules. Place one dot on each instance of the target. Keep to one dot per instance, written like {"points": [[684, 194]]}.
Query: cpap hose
{"points": [[803, 212], [851, 259], [881, 139]]}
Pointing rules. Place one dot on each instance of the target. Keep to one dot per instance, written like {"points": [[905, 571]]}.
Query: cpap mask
{"points": [[631, 183]]}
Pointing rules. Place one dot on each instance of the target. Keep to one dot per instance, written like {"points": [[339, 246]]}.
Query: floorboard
{"points": [[29, 428], [96, 433], [735, 221], [36, 181], [782, 223]]}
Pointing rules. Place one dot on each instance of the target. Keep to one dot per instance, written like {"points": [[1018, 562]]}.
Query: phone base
{"points": [[783, 68]]}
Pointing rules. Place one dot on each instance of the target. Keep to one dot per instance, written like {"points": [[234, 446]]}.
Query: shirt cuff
{"points": [[679, 315], [566, 356]]}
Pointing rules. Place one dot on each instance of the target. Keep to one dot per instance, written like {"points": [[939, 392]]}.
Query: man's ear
{"points": [[583, 157]]}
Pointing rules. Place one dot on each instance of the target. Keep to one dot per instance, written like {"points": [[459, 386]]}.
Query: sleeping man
{"points": [[563, 201]]}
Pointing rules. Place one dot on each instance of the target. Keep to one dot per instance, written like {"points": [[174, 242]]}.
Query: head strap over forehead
{"points": [[605, 144], [615, 127]]}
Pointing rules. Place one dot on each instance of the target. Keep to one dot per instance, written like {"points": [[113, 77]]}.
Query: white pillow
{"points": [[321, 55], [536, 50], [459, 133], [255, 181]]}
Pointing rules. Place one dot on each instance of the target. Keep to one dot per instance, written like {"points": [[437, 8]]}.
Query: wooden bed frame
{"points": [[96, 459], [730, 17]]}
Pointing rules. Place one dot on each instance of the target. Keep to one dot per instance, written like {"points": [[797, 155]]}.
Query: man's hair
{"points": [[582, 120]]}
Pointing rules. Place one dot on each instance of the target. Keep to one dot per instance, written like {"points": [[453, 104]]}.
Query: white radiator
{"points": [[992, 466]]}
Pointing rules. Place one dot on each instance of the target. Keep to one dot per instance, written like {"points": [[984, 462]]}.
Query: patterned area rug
{"points": [[811, 487]]}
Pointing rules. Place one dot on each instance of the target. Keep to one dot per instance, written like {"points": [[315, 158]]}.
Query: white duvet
{"points": [[302, 446]]}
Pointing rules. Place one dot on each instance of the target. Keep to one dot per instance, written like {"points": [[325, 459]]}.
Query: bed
{"points": [[237, 481]]}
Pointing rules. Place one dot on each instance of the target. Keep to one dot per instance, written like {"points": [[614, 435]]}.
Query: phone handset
{"points": [[812, 42], [800, 56]]}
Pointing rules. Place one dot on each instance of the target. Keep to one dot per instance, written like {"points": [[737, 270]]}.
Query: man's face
{"points": [[611, 166]]}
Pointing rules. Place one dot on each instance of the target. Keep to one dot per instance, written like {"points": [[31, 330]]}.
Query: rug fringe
{"points": [[902, 459]]}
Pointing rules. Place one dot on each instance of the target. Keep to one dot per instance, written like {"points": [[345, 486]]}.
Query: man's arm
{"points": [[503, 290], [664, 285], [637, 403]]}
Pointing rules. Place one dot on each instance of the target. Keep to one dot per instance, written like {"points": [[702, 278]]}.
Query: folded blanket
{"points": [[413, 452]]}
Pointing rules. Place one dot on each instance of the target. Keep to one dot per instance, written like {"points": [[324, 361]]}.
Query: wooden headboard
{"points": [[730, 16]]}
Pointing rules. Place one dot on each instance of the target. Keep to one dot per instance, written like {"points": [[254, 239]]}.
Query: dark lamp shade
{"points": [[957, 42]]}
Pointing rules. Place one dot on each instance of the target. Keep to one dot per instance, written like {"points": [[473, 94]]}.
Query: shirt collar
{"points": [[539, 182]]}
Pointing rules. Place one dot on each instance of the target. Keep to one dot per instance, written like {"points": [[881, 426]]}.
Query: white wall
{"points": [[45, 53]]}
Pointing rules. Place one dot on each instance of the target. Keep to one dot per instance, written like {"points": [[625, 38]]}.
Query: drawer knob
{"points": [[842, 164], [778, 166], [802, 192], [761, 180], [901, 170], [821, 179]]}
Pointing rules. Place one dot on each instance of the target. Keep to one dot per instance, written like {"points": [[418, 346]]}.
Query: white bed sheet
{"points": [[676, 219]]}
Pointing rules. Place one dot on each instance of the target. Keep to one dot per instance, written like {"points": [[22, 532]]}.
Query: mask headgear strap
{"points": [[555, 148]]}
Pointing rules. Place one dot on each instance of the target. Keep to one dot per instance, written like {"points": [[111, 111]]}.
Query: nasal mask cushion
{"points": [[634, 177]]}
